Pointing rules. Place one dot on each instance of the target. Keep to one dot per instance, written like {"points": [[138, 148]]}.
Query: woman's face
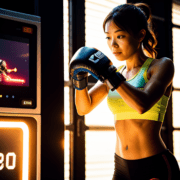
{"points": [[120, 42]]}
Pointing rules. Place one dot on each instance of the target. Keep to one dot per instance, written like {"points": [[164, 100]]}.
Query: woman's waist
{"points": [[138, 127], [135, 145]]}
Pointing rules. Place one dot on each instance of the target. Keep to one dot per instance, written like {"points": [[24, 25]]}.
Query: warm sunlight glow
{"points": [[175, 108], [66, 89], [66, 39], [100, 145], [176, 55], [175, 14], [100, 149], [176, 82], [176, 145], [96, 11]]}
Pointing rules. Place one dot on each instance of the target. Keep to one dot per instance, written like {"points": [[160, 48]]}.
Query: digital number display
{"points": [[14, 145], [28, 30], [18, 148], [9, 165]]}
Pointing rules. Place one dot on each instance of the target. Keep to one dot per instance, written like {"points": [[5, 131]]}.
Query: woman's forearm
{"points": [[134, 97], [82, 101]]}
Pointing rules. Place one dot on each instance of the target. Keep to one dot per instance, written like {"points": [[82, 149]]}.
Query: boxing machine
{"points": [[20, 96]]}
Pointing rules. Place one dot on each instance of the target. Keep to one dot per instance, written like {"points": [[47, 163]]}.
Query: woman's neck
{"points": [[136, 61]]}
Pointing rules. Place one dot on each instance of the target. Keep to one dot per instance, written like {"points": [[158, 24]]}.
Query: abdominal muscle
{"points": [[138, 138]]}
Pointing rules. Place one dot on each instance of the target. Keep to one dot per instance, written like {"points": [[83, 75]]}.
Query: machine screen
{"points": [[14, 63], [18, 64]]}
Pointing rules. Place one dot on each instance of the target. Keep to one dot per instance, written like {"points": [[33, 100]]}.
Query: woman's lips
{"points": [[116, 53]]}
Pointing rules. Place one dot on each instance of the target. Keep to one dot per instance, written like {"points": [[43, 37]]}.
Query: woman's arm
{"points": [[142, 100], [86, 100]]}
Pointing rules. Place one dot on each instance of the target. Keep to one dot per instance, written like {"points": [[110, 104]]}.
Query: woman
{"points": [[139, 103]]}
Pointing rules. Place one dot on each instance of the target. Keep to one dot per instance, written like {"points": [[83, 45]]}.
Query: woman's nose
{"points": [[114, 43]]}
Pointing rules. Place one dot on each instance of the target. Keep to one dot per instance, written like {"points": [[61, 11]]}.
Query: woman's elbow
{"points": [[80, 113], [142, 110]]}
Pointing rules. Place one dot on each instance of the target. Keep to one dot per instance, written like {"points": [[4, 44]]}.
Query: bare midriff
{"points": [[138, 138]]}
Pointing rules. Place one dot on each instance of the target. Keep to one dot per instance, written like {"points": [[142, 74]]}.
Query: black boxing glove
{"points": [[80, 66], [88, 60], [92, 61], [81, 80]]}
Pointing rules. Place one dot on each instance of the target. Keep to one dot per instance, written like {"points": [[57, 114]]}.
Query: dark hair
{"points": [[132, 18]]}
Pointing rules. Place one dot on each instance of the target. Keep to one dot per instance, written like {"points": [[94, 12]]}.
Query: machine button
{"points": [[27, 102]]}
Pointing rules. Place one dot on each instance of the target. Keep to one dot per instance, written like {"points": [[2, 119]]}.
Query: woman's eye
{"points": [[120, 37]]}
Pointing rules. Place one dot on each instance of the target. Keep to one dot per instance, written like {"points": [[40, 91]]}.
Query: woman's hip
{"points": [[161, 166]]}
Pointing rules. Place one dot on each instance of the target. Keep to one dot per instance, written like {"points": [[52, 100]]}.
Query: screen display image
{"points": [[18, 64], [14, 63]]}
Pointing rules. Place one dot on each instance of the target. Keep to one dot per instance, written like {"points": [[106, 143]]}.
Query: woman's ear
{"points": [[142, 35]]}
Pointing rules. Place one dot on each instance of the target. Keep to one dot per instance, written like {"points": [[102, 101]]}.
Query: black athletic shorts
{"points": [[163, 166]]}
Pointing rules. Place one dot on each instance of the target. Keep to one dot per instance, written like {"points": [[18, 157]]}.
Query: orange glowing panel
{"points": [[28, 30], [14, 150]]}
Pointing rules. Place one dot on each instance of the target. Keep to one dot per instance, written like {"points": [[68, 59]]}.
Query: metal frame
{"points": [[34, 113]]}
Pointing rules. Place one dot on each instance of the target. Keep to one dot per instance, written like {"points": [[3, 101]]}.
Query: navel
{"points": [[126, 147]]}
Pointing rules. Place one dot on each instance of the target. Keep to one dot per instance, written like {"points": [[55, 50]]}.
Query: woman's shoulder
{"points": [[163, 62], [163, 67]]}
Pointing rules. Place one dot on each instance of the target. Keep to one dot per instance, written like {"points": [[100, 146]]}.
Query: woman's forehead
{"points": [[111, 27]]}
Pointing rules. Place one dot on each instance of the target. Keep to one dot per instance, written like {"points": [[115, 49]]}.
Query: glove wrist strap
{"points": [[115, 80], [80, 84]]}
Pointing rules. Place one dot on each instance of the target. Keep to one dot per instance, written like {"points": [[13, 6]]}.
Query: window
{"points": [[176, 82], [100, 145], [66, 88], [100, 137]]}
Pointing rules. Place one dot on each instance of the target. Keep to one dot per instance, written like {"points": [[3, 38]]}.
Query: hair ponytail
{"points": [[150, 40]]}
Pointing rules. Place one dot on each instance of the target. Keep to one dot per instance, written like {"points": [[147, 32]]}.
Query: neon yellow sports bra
{"points": [[122, 111]]}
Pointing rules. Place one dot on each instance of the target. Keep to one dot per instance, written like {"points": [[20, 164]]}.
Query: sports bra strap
{"points": [[119, 68], [147, 63]]}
